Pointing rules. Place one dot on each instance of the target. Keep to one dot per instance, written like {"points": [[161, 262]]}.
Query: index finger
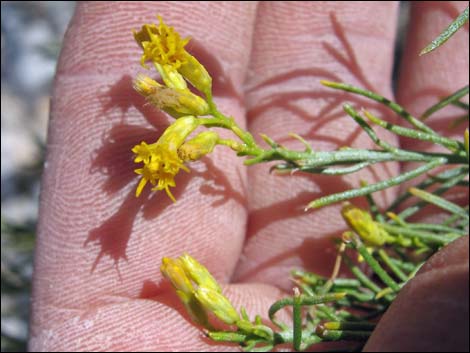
{"points": [[97, 243]]}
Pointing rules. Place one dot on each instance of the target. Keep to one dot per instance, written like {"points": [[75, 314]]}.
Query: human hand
{"points": [[97, 282]]}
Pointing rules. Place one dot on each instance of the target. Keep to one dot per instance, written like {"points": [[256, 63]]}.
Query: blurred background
{"points": [[32, 33]]}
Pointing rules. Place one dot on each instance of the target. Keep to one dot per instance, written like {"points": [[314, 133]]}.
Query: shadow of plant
{"points": [[114, 159]]}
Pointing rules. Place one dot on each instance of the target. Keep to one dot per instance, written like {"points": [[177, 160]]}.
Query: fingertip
{"points": [[431, 313]]}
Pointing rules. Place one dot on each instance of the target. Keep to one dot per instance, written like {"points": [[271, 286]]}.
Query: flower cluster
{"points": [[162, 160]]}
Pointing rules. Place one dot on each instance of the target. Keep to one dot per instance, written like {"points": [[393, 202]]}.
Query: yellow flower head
{"points": [[161, 44], [164, 47], [161, 160]]}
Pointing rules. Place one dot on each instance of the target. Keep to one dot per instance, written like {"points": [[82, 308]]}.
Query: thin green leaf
{"points": [[387, 102], [374, 264], [349, 194], [447, 33], [426, 237], [395, 269], [297, 318], [451, 144], [409, 211], [439, 202], [448, 177], [368, 129], [460, 104], [445, 101], [304, 300]]}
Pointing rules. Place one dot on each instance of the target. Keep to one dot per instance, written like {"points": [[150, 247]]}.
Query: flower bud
{"points": [[199, 146], [193, 71], [199, 273], [178, 131], [218, 304], [371, 232], [176, 102], [173, 270]]}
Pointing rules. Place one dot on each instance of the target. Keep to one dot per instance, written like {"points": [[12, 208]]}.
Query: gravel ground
{"points": [[31, 39]]}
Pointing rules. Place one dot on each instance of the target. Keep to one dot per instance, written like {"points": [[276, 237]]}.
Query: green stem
{"points": [[374, 209], [297, 318], [455, 176], [405, 266], [439, 202], [368, 129]]}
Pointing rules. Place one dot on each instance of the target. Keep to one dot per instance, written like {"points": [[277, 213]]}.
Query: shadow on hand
{"points": [[329, 103], [114, 159]]}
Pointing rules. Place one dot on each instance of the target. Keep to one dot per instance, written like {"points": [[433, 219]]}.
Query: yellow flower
{"points": [[164, 47], [176, 102], [143, 152], [161, 44], [161, 160]]}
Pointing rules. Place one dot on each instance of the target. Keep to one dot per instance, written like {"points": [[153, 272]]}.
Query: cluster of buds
{"points": [[362, 223], [162, 160], [201, 294], [198, 290]]}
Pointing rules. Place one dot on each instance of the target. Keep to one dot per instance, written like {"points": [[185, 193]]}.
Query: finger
{"points": [[424, 80], [333, 41], [97, 242], [152, 322], [431, 311]]}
